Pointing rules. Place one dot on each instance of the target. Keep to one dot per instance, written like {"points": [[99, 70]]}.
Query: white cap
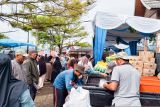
{"points": [[21, 52], [122, 55]]}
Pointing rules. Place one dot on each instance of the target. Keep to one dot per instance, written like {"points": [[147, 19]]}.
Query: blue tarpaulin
{"points": [[133, 47], [128, 51], [99, 42], [13, 43]]}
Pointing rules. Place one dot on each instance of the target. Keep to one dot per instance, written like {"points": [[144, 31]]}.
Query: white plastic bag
{"points": [[78, 98], [102, 82]]}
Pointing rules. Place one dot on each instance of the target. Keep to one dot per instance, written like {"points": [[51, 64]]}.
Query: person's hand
{"points": [[158, 77], [86, 67], [72, 83], [103, 74], [102, 82]]}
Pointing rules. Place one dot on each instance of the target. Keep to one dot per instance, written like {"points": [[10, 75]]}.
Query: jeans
{"points": [[33, 91]]}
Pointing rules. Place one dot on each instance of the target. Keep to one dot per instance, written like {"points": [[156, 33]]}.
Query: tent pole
{"points": [[145, 44]]}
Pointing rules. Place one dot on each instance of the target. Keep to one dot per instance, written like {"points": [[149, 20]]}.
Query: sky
{"points": [[125, 7]]}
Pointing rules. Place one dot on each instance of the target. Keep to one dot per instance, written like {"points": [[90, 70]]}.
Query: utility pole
{"points": [[28, 42]]}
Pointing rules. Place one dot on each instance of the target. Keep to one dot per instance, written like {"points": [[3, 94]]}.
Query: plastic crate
{"points": [[150, 84]]}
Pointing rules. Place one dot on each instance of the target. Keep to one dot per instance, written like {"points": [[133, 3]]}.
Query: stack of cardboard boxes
{"points": [[144, 63]]}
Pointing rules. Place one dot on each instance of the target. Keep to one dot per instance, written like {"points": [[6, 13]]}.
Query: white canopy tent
{"points": [[110, 26], [112, 21]]}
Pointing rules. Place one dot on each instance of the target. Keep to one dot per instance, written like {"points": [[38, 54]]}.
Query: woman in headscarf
{"points": [[57, 68], [83, 61], [49, 68], [13, 92], [71, 63], [42, 70]]}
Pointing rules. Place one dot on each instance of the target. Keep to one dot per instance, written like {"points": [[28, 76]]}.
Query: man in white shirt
{"points": [[18, 69]]}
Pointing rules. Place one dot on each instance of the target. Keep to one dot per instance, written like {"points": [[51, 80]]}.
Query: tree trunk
{"points": [[60, 49]]}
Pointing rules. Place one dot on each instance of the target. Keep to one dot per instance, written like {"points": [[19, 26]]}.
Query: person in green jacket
{"points": [[32, 72]]}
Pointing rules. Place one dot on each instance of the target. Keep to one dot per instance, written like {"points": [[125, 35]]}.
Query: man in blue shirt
{"points": [[64, 82]]}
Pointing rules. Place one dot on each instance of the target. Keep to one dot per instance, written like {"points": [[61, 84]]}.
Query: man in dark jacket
{"points": [[32, 72]]}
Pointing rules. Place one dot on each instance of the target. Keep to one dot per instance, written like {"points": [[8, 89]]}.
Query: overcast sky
{"points": [[112, 6]]}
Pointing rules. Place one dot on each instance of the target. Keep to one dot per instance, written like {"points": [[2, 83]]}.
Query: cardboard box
{"points": [[132, 62], [146, 54], [138, 64], [151, 54], [152, 60], [145, 59], [148, 72], [134, 58], [158, 50], [150, 65]]}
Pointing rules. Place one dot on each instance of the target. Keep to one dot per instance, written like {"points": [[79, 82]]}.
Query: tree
{"points": [[62, 36], [22, 10], [60, 16], [2, 36]]}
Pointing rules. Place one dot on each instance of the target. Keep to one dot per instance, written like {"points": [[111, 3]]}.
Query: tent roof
{"points": [[121, 26], [112, 21], [151, 4], [127, 36], [13, 43]]}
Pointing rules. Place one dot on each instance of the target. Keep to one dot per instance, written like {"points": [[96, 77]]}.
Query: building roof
{"points": [[85, 49], [151, 4]]}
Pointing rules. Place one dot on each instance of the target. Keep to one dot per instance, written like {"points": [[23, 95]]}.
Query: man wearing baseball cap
{"points": [[17, 65], [64, 82], [125, 82]]}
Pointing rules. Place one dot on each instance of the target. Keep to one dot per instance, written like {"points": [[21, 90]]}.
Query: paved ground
{"points": [[45, 96]]}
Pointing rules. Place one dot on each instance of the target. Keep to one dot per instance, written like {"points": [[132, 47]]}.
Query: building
{"points": [[148, 8]]}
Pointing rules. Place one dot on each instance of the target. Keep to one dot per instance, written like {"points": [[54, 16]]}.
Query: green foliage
{"points": [[61, 16], [42, 37], [61, 34], [81, 44], [20, 25], [2, 36]]}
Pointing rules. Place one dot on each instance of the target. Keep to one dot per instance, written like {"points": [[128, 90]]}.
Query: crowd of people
{"points": [[25, 75], [31, 70]]}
